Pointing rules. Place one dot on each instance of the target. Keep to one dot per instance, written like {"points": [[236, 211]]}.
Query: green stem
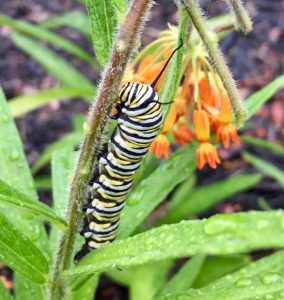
{"points": [[98, 115], [210, 41], [241, 15]]}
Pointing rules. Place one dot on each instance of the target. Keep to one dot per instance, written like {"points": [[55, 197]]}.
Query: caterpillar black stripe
{"points": [[139, 119]]}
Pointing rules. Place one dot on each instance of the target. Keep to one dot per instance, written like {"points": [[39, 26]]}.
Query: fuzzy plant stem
{"points": [[210, 41], [242, 18], [123, 48]]}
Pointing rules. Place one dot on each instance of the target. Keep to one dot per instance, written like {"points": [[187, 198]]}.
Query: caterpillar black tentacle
{"points": [[139, 119]]}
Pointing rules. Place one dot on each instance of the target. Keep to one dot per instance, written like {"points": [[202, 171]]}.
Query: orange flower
{"points": [[201, 125], [207, 153], [170, 120], [208, 94], [226, 133], [160, 146], [181, 132]]}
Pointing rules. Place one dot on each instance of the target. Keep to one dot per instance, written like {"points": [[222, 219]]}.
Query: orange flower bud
{"points": [[201, 125]]}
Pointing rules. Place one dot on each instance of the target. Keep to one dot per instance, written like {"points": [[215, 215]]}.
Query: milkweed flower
{"points": [[201, 107]]}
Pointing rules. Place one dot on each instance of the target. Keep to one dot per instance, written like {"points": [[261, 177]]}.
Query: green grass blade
{"points": [[103, 24], [144, 199], [74, 19], [15, 163], [70, 140], [218, 235], [53, 63], [13, 197], [201, 199], [47, 35], [265, 167], [254, 102], [218, 266], [23, 104], [254, 141], [4, 293], [185, 277], [262, 279], [20, 254], [43, 183]]}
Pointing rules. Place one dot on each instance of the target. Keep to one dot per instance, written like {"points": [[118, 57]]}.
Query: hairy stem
{"points": [[241, 15], [107, 94], [210, 41]]}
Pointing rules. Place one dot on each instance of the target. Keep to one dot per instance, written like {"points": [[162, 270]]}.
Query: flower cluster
{"points": [[201, 107]]}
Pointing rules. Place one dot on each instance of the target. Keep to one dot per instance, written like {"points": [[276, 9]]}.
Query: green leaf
{"points": [[174, 70], [46, 35], [4, 293], [20, 254], [218, 235], [62, 168], [43, 183], [103, 24], [254, 141], [24, 288], [201, 199], [14, 162], [87, 290], [69, 141], [121, 5], [262, 279], [265, 167], [23, 104], [218, 266], [144, 198], [185, 277], [254, 102], [53, 63], [74, 19], [11, 196]]}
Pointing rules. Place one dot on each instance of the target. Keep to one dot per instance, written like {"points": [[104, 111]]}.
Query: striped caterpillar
{"points": [[139, 119]]}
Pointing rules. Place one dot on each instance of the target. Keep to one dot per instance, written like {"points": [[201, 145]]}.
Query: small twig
{"points": [[241, 15], [210, 41], [107, 94]]}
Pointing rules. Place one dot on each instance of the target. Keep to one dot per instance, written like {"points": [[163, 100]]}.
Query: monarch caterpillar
{"points": [[139, 119]]}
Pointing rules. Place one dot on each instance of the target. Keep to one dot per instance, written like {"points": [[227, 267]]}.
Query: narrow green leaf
{"points": [[43, 183], [62, 167], [219, 235], [201, 199], [254, 141], [145, 198], [70, 140], [11, 196], [254, 102], [173, 72], [262, 279], [47, 35], [103, 24], [266, 167], [53, 63], [74, 19], [24, 288], [23, 104], [15, 163], [185, 277], [87, 290], [20, 254], [4, 293], [217, 266]]}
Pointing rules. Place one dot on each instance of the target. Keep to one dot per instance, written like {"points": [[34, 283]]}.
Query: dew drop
{"points": [[261, 224], [270, 278], [217, 225], [14, 155], [243, 282]]}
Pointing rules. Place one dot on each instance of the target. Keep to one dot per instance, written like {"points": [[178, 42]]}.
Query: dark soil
{"points": [[255, 60]]}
